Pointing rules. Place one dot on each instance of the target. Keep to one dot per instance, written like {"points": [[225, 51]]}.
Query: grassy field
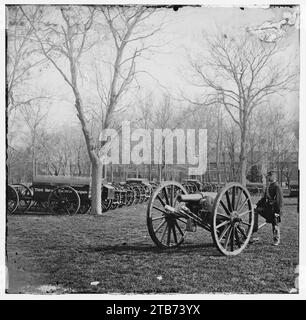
{"points": [[65, 254]]}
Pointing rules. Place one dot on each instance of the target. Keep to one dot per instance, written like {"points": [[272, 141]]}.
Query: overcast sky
{"points": [[168, 64]]}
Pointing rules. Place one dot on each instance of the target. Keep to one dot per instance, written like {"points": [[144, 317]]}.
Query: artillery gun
{"points": [[55, 194], [227, 214]]}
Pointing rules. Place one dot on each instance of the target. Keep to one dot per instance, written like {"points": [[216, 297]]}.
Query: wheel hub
{"points": [[235, 219]]}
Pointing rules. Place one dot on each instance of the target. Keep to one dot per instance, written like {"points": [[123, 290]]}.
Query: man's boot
{"points": [[276, 235], [255, 238]]}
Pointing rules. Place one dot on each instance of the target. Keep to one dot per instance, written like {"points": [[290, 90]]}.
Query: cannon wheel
{"points": [[12, 199], [137, 194], [25, 197], [130, 194], [106, 204], [64, 200], [85, 207], [233, 219], [166, 230], [142, 196], [148, 191]]}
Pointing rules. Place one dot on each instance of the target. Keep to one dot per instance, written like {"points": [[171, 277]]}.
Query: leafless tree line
{"points": [[238, 79]]}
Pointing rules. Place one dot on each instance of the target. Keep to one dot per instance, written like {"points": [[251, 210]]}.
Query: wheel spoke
{"points": [[179, 219], [179, 229], [156, 208], [225, 208], [160, 226], [224, 232], [161, 200], [169, 235], [174, 233], [238, 199], [237, 238], [244, 213], [164, 232], [247, 224], [56, 196], [222, 224], [228, 237], [243, 203], [233, 197], [158, 218], [222, 215], [172, 195], [233, 238], [241, 230], [229, 205], [166, 196]]}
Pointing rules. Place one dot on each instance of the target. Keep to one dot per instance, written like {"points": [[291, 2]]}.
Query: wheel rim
{"points": [[25, 197], [137, 194], [106, 204], [84, 208], [12, 199], [166, 230], [64, 200], [233, 219], [142, 196], [147, 192], [130, 197]]}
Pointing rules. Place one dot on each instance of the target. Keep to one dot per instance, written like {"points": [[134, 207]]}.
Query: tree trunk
{"points": [[243, 158], [96, 184], [96, 178], [225, 167]]}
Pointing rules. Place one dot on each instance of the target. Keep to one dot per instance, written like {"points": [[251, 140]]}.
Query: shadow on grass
{"points": [[209, 249]]}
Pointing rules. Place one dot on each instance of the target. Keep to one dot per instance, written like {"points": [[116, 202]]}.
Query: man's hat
{"points": [[270, 173]]}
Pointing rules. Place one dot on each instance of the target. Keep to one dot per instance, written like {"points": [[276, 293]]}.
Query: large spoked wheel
{"points": [[166, 229], [64, 200], [25, 197], [233, 219], [85, 207], [142, 193], [106, 204], [129, 196], [122, 197], [148, 191], [12, 199], [137, 194]]}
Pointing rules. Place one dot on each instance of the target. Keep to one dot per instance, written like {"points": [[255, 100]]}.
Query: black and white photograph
{"points": [[151, 150]]}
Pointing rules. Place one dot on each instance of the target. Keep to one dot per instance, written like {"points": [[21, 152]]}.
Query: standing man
{"points": [[270, 207]]}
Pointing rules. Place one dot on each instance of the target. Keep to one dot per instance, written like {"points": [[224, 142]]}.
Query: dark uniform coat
{"points": [[271, 203]]}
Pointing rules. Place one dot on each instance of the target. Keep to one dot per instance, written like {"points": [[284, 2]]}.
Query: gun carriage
{"points": [[56, 194], [143, 189], [227, 214]]}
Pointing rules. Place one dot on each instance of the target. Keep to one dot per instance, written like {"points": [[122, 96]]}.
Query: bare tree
{"points": [[271, 139], [22, 58], [241, 73], [34, 117], [66, 38]]}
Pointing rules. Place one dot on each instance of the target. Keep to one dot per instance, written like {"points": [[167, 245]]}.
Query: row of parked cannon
{"points": [[59, 194], [71, 195]]}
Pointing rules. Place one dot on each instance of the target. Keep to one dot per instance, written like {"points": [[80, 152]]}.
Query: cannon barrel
{"points": [[196, 197]]}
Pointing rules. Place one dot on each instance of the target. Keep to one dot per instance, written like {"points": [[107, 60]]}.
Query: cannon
{"points": [[12, 199], [227, 214], [56, 194], [193, 184], [142, 189]]}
